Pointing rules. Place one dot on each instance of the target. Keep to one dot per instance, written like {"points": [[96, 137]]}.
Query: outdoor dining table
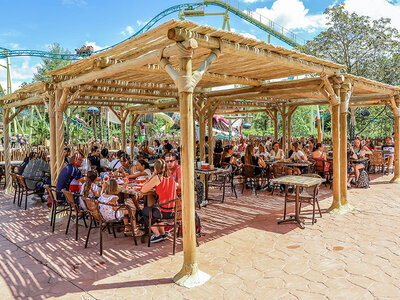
{"points": [[208, 173], [297, 181]]}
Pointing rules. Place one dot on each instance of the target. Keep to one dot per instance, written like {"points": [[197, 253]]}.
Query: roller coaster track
{"points": [[231, 6]]}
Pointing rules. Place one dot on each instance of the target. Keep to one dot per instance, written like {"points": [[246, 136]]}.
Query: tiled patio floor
{"points": [[352, 256]]}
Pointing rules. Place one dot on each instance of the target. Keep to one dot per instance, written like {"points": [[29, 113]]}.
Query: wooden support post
{"points": [[202, 133], [123, 135], [335, 206], [345, 93], [275, 126], [284, 137], [132, 134], [186, 80], [289, 128], [60, 100], [210, 139], [396, 112], [53, 142], [7, 154], [319, 125]]}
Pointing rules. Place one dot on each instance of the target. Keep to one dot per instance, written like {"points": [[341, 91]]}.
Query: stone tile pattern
{"points": [[249, 256]]}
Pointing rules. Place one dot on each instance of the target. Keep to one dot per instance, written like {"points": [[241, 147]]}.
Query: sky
{"points": [[27, 24]]}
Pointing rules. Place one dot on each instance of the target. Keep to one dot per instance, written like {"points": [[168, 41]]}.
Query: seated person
{"points": [[105, 164], [353, 168], [89, 188], [389, 149], [126, 166], [250, 159], [69, 173], [227, 156], [165, 187], [218, 147], [276, 153], [171, 159], [37, 172], [108, 212], [142, 168], [116, 163], [298, 156], [67, 153], [94, 158], [27, 159]]}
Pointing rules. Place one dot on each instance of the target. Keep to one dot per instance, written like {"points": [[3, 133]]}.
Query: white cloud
{"points": [[376, 9], [15, 85], [95, 47], [252, 1], [74, 2], [128, 31], [292, 14], [22, 70], [14, 45], [249, 35], [141, 23]]}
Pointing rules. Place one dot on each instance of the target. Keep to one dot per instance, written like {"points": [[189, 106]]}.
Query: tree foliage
{"points": [[368, 48], [50, 64]]}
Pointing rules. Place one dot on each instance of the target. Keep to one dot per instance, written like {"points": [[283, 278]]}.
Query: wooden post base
{"points": [[341, 210], [395, 179], [190, 276]]}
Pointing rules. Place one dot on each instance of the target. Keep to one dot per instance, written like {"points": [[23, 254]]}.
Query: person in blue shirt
{"points": [[69, 173]]}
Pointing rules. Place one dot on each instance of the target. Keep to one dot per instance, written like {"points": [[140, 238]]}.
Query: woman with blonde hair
{"points": [[165, 188]]}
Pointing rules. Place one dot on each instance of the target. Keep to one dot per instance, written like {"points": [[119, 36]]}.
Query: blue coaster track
{"points": [[260, 22]]}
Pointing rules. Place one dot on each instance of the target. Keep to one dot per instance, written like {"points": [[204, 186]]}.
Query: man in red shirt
{"points": [[172, 164]]}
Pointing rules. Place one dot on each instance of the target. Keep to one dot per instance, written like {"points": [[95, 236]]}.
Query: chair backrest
{"points": [[376, 158], [217, 159], [21, 180], [249, 171], [319, 165], [278, 170], [15, 180], [92, 206], [314, 189], [52, 193], [178, 210], [69, 196]]}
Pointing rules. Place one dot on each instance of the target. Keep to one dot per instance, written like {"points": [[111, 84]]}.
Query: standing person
{"points": [[94, 158], [165, 187], [218, 147], [69, 173], [128, 147]]}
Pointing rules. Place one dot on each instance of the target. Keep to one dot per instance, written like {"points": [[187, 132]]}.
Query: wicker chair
{"points": [[51, 190], [377, 161], [16, 185], [93, 207], [233, 178], [73, 207], [176, 222]]}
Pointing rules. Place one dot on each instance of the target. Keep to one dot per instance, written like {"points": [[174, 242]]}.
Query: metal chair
{"points": [[70, 197], [24, 190], [16, 185], [51, 190]]}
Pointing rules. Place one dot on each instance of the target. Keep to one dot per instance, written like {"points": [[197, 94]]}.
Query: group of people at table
{"points": [[81, 174]]}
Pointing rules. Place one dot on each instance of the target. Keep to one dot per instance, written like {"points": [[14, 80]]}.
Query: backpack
{"points": [[197, 224], [23, 165], [363, 180]]}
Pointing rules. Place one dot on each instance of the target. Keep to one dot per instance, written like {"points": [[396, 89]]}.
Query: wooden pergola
{"points": [[175, 67]]}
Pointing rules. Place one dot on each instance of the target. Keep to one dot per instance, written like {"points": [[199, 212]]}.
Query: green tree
{"points": [[50, 64], [368, 48]]}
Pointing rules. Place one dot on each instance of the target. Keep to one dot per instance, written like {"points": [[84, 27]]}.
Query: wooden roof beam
{"points": [[29, 101], [180, 34]]}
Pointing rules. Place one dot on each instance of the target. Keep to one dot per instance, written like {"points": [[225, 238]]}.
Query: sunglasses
{"points": [[170, 161]]}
